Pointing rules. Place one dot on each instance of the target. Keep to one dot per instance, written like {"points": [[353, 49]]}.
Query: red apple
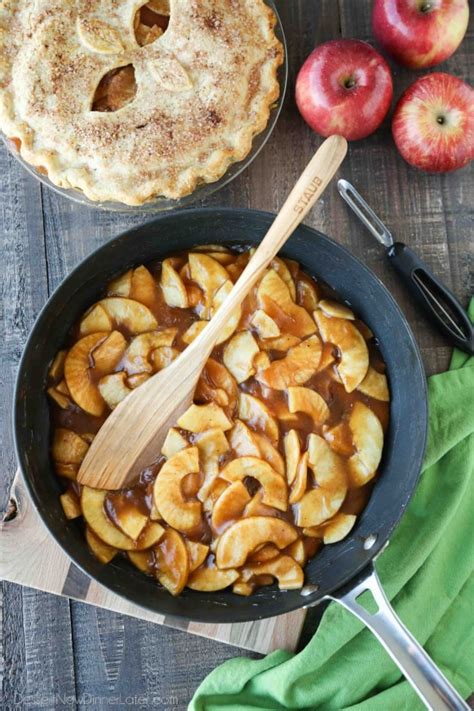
{"points": [[420, 33], [433, 123], [344, 87]]}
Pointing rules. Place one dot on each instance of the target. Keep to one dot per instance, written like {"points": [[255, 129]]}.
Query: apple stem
{"points": [[349, 83], [440, 120]]}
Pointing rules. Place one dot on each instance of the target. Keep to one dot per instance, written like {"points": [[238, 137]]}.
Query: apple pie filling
{"points": [[278, 453]]}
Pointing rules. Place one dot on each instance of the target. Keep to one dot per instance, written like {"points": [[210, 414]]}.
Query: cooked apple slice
{"points": [[223, 258], [299, 365], [342, 333], [113, 388], [93, 509], [199, 418], [367, 435], [233, 321], [243, 441], [127, 516], [211, 579], [285, 275], [137, 357], [338, 527], [68, 471], [275, 299], [70, 503], [301, 479], [193, 331], [68, 447], [143, 287], [280, 343], [265, 553], [217, 384], [309, 401], [212, 247], [143, 560], [241, 588], [253, 410], [212, 443], [215, 489], [176, 511], [340, 439], [317, 505], [375, 385], [129, 314], [122, 285], [162, 357], [270, 453], [173, 443], [297, 551], [172, 562], [134, 381], [197, 553], [172, 286], [229, 506], [108, 353], [96, 319], [246, 535], [292, 447], [273, 484], [209, 275], [239, 354], [307, 295], [56, 369], [59, 398], [285, 569], [265, 326], [76, 371], [255, 507], [333, 308], [103, 552]]}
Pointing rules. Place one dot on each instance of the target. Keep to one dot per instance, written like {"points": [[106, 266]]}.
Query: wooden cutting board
{"points": [[30, 556]]}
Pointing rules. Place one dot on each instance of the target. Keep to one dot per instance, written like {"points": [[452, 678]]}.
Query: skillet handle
{"points": [[427, 680]]}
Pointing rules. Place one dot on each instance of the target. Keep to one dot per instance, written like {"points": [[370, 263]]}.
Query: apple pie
{"points": [[278, 453], [127, 101]]}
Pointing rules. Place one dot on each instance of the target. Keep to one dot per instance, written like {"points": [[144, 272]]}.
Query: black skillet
{"points": [[340, 571]]}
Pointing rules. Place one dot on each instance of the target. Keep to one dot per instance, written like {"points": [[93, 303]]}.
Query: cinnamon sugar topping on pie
{"points": [[128, 100]]}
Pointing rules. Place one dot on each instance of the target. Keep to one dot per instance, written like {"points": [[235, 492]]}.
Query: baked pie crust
{"points": [[186, 100]]}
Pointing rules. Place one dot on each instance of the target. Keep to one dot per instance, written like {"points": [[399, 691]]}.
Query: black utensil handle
{"points": [[438, 301]]}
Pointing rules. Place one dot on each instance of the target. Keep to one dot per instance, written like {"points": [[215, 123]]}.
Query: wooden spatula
{"points": [[132, 436]]}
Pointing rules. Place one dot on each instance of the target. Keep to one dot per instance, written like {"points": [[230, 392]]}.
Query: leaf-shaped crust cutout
{"points": [[299, 365], [285, 569], [319, 504], [275, 299], [98, 36], [245, 536], [342, 333], [273, 484], [76, 372], [367, 434], [375, 385], [252, 410], [170, 74], [178, 513], [308, 401]]}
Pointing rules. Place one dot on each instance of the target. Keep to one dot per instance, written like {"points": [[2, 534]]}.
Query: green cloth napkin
{"points": [[426, 571]]}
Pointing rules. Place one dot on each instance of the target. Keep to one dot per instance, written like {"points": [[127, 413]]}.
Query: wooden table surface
{"points": [[56, 652]]}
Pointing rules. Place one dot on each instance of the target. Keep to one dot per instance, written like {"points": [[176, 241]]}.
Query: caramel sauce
{"points": [[325, 382]]}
